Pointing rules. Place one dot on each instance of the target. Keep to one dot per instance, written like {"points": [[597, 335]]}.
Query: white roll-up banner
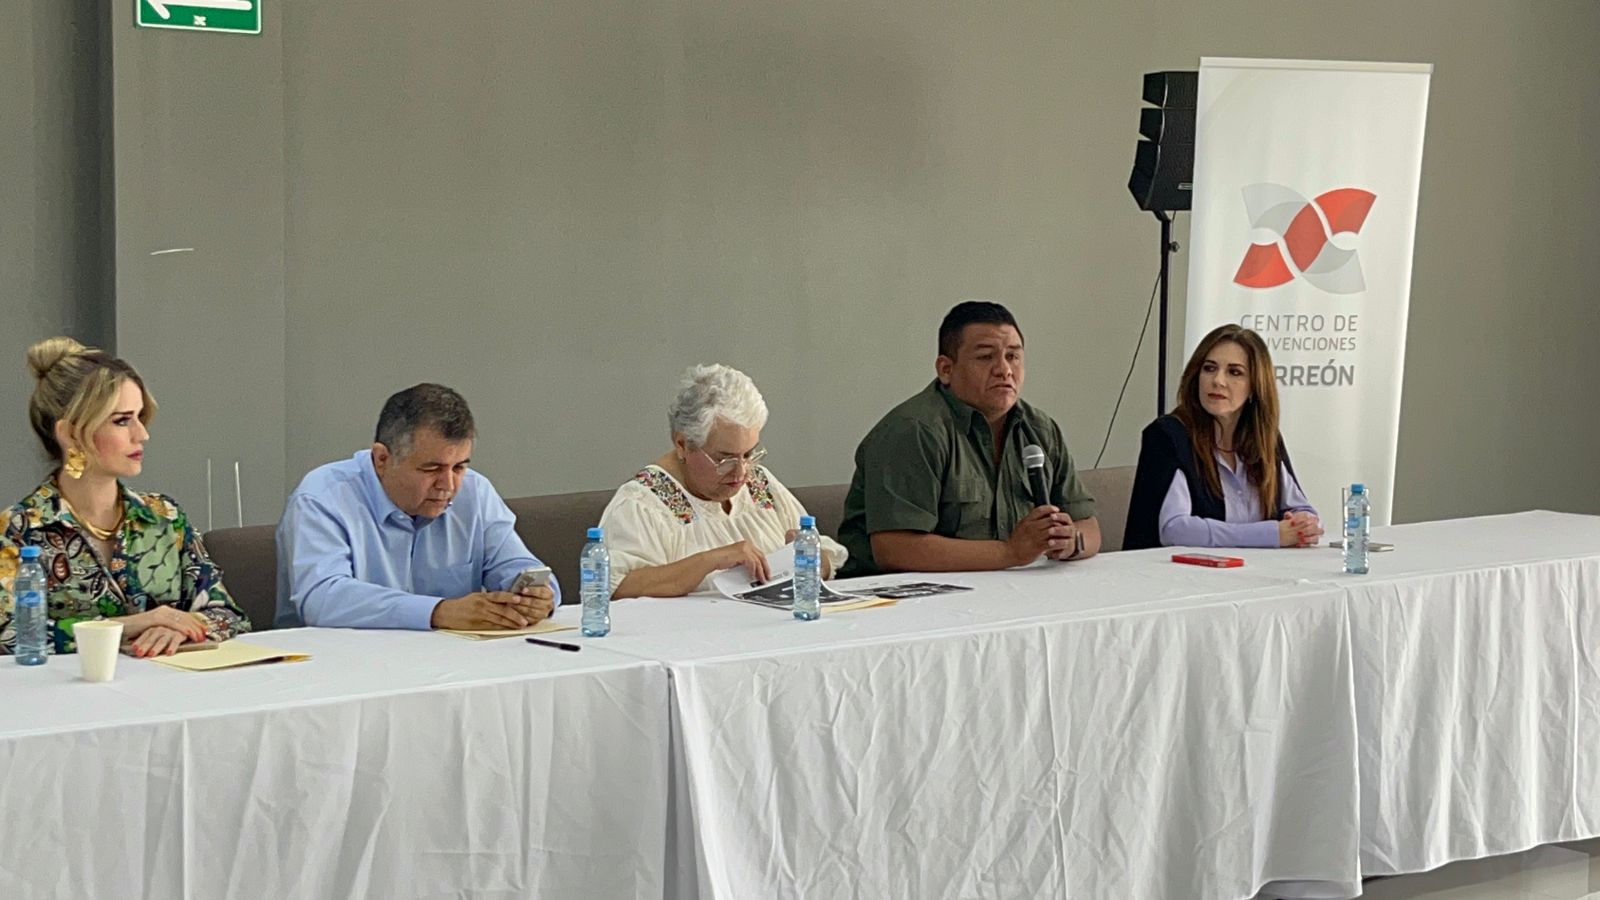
{"points": [[1304, 213]]}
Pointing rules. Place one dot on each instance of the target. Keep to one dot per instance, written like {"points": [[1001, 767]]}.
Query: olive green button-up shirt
{"points": [[929, 466]]}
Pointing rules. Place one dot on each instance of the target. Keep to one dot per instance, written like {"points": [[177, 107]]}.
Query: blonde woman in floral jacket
{"points": [[108, 552]]}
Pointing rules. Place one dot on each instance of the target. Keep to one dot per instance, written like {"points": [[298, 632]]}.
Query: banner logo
{"points": [[1304, 228]]}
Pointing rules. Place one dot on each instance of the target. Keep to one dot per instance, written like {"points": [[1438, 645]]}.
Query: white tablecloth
{"points": [[1081, 731], [1118, 728], [1127, 727], [1477, 684], [391, 765]]}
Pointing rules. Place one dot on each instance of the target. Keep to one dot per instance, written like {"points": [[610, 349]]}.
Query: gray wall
{"points": [[54, 268], [198, 169], [555, 207], [556, 210]]}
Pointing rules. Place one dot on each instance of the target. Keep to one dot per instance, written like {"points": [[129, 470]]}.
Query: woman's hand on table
{"points": [[192, 626]]}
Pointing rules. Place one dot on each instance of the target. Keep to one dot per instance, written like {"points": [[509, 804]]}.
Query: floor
{"points": [[1555, 872]]}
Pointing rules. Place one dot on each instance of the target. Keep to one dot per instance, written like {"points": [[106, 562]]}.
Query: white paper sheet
{"points": [[735, 581]]}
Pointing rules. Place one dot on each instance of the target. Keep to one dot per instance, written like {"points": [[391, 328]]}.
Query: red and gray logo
{"points": [[1304, 230]]}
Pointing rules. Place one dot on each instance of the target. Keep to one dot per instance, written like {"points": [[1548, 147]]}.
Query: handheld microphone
{"points": [[1033, 460]]}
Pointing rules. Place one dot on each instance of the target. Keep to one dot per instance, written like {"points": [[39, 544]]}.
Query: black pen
{"points": [[556, 644]]}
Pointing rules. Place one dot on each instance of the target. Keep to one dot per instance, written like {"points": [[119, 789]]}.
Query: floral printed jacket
{"points": [[159, 561]]}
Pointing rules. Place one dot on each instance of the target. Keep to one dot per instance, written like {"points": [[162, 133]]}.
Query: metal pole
{"points": [[1161, 359]]}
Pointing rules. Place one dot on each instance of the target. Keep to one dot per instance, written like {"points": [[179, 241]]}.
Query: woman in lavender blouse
{"points": [[1215, 473]]}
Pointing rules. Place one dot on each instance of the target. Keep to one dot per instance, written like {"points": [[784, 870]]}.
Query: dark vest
{"points": [[1165, 449]]}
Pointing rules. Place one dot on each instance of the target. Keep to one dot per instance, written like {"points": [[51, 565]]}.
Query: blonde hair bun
{"points": [[43, 356]]}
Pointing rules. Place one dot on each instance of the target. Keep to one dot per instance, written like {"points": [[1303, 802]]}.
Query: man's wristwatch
{"points": [[1077, 542]]}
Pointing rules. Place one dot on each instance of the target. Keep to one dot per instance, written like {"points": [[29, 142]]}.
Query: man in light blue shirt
{"points": [[405, 535]]}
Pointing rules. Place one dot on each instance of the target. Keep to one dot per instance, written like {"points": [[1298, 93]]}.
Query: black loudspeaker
{"points": [[1163, 163]]}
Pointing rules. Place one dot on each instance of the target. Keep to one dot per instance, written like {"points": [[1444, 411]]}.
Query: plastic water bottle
{"points": [[594, 568], [807, 571], [1357, 518], [33, 613]]}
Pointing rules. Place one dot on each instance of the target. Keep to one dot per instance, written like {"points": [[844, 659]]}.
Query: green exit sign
{"points": [[236, 16]]}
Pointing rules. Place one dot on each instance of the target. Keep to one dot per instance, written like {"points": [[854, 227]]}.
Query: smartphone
{"points": [[536, 577], [1208, 559]]}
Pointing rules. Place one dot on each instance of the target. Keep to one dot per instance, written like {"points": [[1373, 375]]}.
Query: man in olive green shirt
{"points": [[940, 484]]}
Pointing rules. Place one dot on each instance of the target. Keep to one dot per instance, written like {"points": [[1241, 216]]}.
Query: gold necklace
{"points": [[104, 534]]}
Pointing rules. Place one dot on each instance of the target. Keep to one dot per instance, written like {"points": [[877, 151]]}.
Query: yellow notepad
{"points": [[544, 627], [229, 655], [863, 603]]}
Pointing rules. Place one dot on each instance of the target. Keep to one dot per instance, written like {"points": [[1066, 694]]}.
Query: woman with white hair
{"points": [[706, 505]]}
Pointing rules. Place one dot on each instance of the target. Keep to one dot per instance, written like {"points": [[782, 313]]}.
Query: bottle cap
{"points": [[808, 522], [30, 553], [596, 534], [1358, 488]]}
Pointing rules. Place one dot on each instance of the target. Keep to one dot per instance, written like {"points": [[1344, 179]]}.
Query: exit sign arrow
{"points": [[163, 12], [239, 16]]}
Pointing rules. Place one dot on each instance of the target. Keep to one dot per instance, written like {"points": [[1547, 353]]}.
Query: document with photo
{"points": [[779, 594], [907, 589]]}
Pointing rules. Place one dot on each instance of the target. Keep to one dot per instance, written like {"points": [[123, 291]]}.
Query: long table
{"points": [[1069, 732], [1477, 684], [390, 765], [1127, 727], [1120, 727]]}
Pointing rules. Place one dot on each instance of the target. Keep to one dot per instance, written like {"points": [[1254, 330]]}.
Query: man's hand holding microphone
{"points": [[1047, 531]]}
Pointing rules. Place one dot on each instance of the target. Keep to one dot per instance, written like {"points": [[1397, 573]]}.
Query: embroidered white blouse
{"points": [[653, 520]]}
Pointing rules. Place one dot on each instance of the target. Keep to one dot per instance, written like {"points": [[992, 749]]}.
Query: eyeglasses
{"points": [[727, 464]]}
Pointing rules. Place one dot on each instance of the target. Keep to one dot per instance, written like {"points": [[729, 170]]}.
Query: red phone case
{"points": [[1208, 559]]}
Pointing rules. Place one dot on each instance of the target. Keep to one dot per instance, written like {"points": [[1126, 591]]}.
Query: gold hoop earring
{"points": [[75, 463]]}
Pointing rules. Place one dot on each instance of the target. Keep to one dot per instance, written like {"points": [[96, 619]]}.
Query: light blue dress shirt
{"points": [[349, 558], [1245, 526]]}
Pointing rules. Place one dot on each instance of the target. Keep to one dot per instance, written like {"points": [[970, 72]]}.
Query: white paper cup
{"points": [[99, 643]]}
